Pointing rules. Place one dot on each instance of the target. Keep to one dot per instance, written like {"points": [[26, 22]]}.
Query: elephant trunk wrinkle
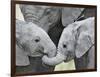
{"points": [[54, 60], [51, 53]]}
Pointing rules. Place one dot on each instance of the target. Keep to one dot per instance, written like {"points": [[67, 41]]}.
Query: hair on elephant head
{"points": [[33, 40], [76, 39]]}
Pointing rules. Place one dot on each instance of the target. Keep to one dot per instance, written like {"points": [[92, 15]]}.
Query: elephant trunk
{"points": [[49, 47], [51, 51], [54, 60]]}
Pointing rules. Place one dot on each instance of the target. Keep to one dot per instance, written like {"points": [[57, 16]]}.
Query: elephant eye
{"points": [[64, 46], [37, 39]]}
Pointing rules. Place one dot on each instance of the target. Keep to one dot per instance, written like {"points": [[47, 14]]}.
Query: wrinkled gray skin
{"points": [[31, 40], [76, 40], [44, 16], [47, 16]]}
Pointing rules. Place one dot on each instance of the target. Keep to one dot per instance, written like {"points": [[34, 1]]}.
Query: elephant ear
{"points": [[19, 25], [70, 14], [21, 56], [84, 43], [84, 35]]}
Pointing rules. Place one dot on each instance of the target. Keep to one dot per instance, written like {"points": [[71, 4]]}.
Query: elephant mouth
{"points": [[69, 57], [40, 50]]}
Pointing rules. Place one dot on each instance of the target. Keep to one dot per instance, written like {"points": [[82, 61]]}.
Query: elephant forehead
{"points": [[66, 37], [32, 29], [67, 33], [29, 30]]}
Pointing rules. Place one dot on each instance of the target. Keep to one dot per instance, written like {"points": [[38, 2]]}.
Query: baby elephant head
{"points": [[76, 39], [34, 40]]}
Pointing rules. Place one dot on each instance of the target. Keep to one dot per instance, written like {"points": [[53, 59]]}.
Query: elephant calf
{"points": [[33, 41], [77, 40]]}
